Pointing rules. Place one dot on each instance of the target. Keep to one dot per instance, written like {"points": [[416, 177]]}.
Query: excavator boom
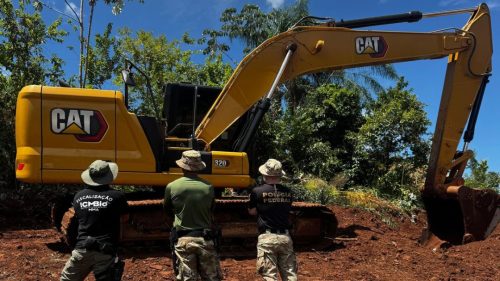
{"points": [[321, 48], [325, 48]]}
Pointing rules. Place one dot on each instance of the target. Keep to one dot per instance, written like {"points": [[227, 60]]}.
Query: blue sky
{"points": [[173, 18]]}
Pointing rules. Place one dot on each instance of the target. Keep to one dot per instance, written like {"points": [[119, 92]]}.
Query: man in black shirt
{"points": [[98, 209], [272, 202]]}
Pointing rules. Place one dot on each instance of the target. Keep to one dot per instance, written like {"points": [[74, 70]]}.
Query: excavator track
{"points": [[147, 221]]}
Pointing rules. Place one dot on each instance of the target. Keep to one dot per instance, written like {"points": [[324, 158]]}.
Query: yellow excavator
{"points": [[60, 130]]}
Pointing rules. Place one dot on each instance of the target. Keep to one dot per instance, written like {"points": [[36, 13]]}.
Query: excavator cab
{"points": [[184, 105], [185, 102]]}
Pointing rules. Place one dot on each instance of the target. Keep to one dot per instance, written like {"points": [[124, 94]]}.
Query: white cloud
{"points": [[275, 3], [68, 10]]}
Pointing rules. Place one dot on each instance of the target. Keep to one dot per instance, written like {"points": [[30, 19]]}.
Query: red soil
{"points": [[366, 249]]}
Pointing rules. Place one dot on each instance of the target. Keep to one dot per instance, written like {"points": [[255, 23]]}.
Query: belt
{"points": [[275, 231], [93, 244]]}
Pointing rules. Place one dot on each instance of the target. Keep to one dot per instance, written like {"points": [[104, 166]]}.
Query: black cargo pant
{"points": [[83, 261]]}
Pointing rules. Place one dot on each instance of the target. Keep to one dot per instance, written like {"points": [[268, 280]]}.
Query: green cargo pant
{"points": [[196, 258], [275, 253], [83, 261]]}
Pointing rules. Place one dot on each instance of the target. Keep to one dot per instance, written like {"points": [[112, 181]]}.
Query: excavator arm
{"points": [[308, 49], [322, 48]]}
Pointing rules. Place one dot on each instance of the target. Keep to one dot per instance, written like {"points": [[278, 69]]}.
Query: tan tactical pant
{"points": [[82, 262], [275, 253], [196, 258]]}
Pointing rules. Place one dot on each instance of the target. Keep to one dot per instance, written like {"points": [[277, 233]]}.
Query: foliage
{"points": [[213, 47], [320, 191], [327, 122], [22, 62], [253, 26], [403, 181], [314, 189], [164, 62], [379, 147], [391, 142], [103, 58], [77, 21], [480, 177]]}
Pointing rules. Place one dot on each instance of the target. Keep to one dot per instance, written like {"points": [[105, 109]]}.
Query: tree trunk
{"points": [[91, 15], [80, 71]]}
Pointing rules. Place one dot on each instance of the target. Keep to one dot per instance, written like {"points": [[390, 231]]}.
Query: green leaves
{"points": [[22, 62], [165, 61], [103, 58], [391, 142], [54, 33], [334, 131], [480, 177], [316, 138], [254, 26]]}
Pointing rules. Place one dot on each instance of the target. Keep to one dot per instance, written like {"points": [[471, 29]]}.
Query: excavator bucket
{"points": [[467, 215]]}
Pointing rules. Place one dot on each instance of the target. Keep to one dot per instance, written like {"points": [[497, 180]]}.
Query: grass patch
{"points": [[320, 191]]}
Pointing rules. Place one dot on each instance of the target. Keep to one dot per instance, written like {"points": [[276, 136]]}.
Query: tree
{"points": [[294, 119], [102, 58], [117, 8], [164, 62], [253, 27], [391, 143], [317, 139], [77, 19], [480, 177], [22, 62]]}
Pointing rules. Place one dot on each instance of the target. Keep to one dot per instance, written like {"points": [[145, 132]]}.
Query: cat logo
{"points": [[86, 125], [375, 46]]}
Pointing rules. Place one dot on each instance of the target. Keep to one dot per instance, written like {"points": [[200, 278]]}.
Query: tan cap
{"points": [[272, 168], [191, 161], [100, 173]]}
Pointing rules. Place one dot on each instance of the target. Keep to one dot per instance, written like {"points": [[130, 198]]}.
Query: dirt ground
{"points": [[367, 249]]}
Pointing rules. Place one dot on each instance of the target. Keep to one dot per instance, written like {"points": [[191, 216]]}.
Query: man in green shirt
{"points": [[190, 199]]}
